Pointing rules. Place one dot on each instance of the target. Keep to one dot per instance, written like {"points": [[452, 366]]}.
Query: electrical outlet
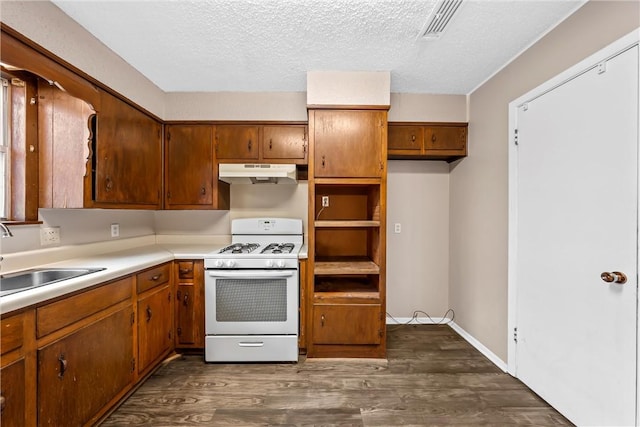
{"points": [[115, 230], [325, 201], [49, 235], [397, 227]]}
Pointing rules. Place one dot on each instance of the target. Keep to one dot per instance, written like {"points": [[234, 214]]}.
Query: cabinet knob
{"points": [[185, 301], [323, 163], [149, 314], [2, 401], [184, 271], [63, 365], [108, 184], [322, 320], [156, 277], [413, 138], [249, 145], [203, 190], [433, 137]]}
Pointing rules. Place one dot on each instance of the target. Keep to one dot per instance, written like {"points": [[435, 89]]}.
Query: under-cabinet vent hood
{"points": [[257, 173]]}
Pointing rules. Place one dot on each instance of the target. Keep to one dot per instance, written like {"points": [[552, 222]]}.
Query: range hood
{"points": [[243, 173]]}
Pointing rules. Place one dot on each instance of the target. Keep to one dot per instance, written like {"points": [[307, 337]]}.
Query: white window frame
{"points": [[5, 149]]}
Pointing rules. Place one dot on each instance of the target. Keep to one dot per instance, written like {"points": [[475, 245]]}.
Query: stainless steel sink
{"points": [[29, 279]]}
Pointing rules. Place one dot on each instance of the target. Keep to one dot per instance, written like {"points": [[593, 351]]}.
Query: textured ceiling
{"points": [[269, 45]]}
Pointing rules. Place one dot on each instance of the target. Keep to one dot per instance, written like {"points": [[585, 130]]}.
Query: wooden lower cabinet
{"points": [[352, 324], [80, 373], [67, 361], [12, 394], [154, 326], [189, 309]]}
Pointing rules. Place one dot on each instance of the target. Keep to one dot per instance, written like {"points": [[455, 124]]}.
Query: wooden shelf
{"points": [[347, 181], [345, 266], [346, 223]]}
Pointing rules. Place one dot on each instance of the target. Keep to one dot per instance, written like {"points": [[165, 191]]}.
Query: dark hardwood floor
{"points": [[431, 377]]}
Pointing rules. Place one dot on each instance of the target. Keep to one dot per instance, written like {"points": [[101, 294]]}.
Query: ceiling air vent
{"points": [[439, 19]]}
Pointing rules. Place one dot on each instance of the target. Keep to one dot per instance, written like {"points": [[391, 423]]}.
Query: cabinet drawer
{"points": [[11, 332], [185, 269], [347, 324], [54, 316], [153, 277]]}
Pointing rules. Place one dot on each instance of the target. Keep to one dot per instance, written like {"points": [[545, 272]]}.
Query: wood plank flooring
{"points": [[431, 377]]}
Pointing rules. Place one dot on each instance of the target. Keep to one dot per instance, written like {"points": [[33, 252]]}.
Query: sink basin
{"points": [[29, 279]]}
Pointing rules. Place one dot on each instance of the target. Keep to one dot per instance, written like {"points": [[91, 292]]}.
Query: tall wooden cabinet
{"points": [[346, 279]]}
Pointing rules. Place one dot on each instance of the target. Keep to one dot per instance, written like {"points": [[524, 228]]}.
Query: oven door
{"points": [[251, 302]]}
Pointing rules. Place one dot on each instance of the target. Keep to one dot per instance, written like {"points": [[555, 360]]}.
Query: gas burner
{"points": [[239, 248], [278, 248]]}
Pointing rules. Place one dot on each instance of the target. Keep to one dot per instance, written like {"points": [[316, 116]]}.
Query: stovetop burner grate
{"points": [[278, 248], [239, 248]]}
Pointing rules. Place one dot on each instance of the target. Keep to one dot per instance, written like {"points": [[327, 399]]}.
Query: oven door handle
{"points": [[236, 274]]}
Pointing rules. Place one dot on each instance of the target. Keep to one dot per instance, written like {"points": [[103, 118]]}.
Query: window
{"points": [[5, 151]]}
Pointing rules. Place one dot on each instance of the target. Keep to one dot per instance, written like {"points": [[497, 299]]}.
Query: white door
{"points": [[577, 217]]}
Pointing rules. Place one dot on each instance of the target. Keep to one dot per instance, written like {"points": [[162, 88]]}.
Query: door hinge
{"points": [[169, 335], [168, 136], [133, 364], [380, 333], [179, 331], [515, 334], [515, 136], [133, 317]]}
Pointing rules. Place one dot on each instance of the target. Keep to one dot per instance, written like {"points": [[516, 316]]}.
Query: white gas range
{"points": [[252, 293]]}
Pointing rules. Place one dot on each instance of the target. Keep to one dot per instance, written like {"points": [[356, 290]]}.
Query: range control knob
{"points": [[230, 263], [269, 263], [219, 263], [281, 264]]}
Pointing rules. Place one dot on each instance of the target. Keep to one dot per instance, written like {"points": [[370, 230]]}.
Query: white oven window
{"points": [[251, 300]]}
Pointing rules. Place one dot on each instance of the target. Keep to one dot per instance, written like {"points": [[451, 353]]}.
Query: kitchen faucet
{"points": [[5, 231]]}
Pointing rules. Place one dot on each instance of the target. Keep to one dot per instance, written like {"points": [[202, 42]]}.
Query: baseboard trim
{"points": [[417, 320], [479, 346]]}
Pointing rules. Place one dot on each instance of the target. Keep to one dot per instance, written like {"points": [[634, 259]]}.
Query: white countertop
{"points": [[116, 264]]}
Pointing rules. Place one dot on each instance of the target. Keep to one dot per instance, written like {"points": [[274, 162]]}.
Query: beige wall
{"points": [[418, 191], [478, 200], [42, 21]]}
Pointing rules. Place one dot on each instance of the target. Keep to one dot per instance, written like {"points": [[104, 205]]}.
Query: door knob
{"points": [[614, 277]]}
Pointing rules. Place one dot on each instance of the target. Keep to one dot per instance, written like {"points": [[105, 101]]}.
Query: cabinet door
{"points": [[154, 326], [284, 143], [347, 324], [128, 157], [349, 143], [190, 305], [238, 142], [446, 140], [189, 165], [12, 394], [82, 372], [405, 140]]}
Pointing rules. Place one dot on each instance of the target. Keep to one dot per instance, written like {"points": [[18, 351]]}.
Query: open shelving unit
{"points": [[346, 302]]}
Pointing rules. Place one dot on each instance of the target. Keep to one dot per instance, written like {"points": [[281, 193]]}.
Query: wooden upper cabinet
{"points": [[427, 141], [284, 142], [405, 140], [349, 143], [128, 157], [189, 165], [446, 139], [63, 135], [237, 142]]}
